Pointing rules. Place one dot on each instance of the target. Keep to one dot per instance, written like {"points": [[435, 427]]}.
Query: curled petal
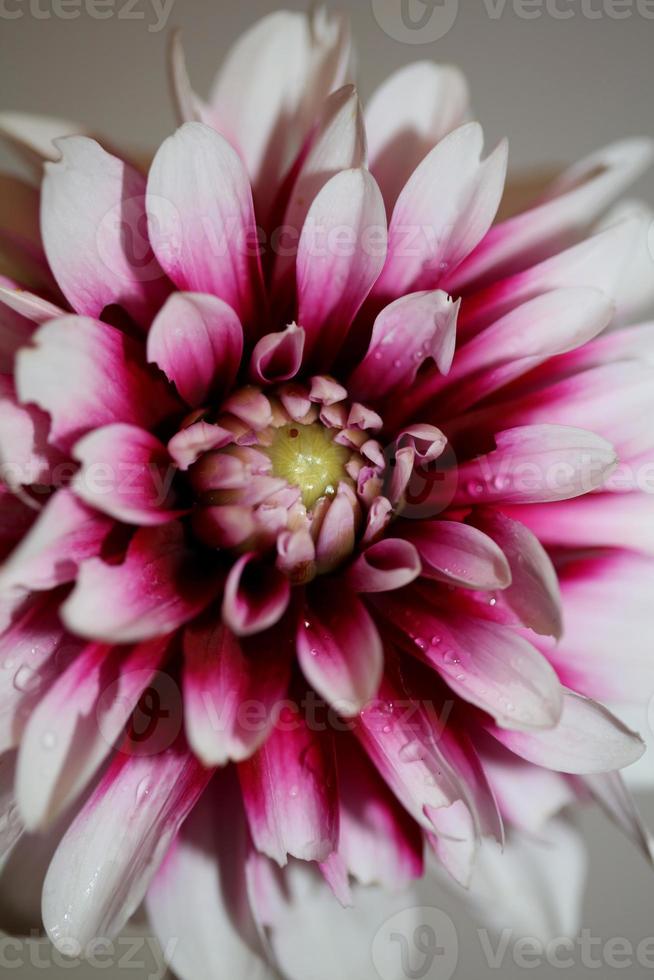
{"points": [[188, 445], [197, 341], [387, 565], [405, 334], [278, 356], [256, 596]]}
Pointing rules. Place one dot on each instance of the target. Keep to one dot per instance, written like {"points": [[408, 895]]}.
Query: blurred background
{"points": [[558, 77]]}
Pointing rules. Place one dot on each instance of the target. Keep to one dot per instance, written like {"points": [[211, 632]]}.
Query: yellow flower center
{"points": [[307, 457]]}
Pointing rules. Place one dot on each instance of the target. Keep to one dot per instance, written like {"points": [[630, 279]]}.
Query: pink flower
{"points": [[296, 425]]}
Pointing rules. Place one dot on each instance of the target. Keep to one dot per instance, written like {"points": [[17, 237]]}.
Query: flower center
{"points": [[307, 457]]}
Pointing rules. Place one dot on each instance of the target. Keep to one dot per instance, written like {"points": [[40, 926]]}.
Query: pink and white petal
{"points": [[65, 534], [338, 143], [201, 219], [26, 457], [534, 593], [271, 86], [384, 566], [339, 648], [442, 213], [28, 305], [222, 675], [34, 137], [378, 841], [106, 380], [600, 262], [335, 276], [337, 532], [256, 596], [406, 334], [74, 726], [158, 587], [125, 473], [620, 520], [106, 860], [607, 609], [189, 106], [459, 554], [484, 663], [411, 111], [289, 791], [537, 464], [33, 651], [278, 356], [587, 740], [197, 341], [189, 444], [100, 200], [198, 903], [569, 208]]}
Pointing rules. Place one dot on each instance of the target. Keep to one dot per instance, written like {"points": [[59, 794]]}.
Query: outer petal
{"points": [[488, 665], [106, 860], [201, 218], [105, 379], [407, 115], [126, 473], [271, 85], [459, 554], [73, 727], [537, 463], [197, 341], [35, 136], [159, 586], [65, 534], [588, 739], [570, 206], [534, 593], [289, 790], [445, 209], [231, 688], [26, 457], [406, 334], [336, 269], [198, 903], [339, 648], [99, 201]]}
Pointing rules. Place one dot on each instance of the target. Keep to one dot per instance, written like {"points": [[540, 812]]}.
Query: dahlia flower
{"points": [[326, 522]]}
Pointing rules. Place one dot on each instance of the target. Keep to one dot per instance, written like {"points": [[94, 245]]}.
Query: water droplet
{"points": [[386, 729], [142, 790], [492, 601], [475, 488], [293, 792], [420, 643], [307, 624], [24, 678], [450, 657], [435, 640]]}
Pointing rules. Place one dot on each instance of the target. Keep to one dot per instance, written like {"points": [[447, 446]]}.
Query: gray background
{"points": [[557, 87]]}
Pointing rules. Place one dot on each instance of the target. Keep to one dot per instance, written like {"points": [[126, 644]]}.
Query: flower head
{"points": [[296, 426]]}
